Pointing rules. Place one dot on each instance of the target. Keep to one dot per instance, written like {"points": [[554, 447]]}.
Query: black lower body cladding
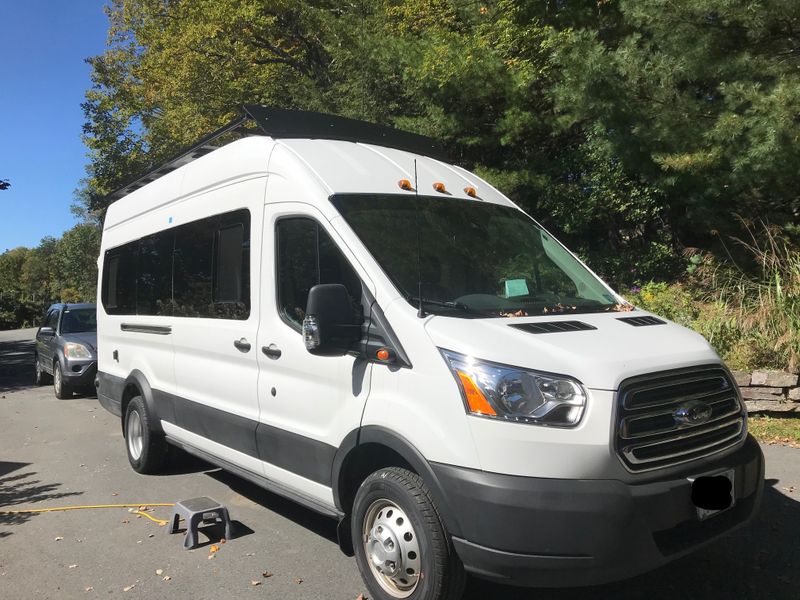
{"points": [[563, 533]]}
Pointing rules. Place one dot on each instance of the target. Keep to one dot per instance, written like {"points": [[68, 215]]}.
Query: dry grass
{"points": [[776, 428]]}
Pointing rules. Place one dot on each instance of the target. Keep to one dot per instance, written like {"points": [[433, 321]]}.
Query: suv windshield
{"points": [[79, 320], [476, 258]]}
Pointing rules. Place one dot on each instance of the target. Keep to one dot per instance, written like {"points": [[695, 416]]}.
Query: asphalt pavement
{"points": [[56, 453]]}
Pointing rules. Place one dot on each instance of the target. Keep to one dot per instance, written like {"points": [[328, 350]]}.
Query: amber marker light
{"points": [[382, 354], [477, 402], [405, 184], [439, 187], [471, 192]]}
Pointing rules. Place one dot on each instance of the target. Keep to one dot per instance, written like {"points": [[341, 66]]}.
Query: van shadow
{"points": [[16, 364], [756, 562], [321, 525], [23, 489]]}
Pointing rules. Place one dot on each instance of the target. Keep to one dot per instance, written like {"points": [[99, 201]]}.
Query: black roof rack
{"points": [[283, 123]]}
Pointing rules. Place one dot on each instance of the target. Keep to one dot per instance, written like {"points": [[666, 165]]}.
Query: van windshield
{"points": [[477, 259]]}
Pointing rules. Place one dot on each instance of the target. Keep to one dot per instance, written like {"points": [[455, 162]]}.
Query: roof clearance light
{"points": [[439, 187], [405, 184], [471, 192]]}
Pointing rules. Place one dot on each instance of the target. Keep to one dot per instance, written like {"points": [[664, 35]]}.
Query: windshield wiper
{"points": [[444, 304]]}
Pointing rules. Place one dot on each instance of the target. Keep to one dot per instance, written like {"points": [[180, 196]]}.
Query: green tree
{"points": [[76, 263]]}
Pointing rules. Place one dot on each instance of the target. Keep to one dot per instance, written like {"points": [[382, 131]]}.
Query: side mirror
{"points": [[330, 327], [47, 331]]}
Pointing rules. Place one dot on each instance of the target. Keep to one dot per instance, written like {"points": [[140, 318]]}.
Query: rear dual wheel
{"points": [[401, 546]]}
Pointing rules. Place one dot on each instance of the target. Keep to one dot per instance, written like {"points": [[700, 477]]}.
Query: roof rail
{"points": [[283, 123]]}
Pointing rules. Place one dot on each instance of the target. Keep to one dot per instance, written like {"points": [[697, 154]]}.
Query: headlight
{"points": [[515, 394], [73, 350]]}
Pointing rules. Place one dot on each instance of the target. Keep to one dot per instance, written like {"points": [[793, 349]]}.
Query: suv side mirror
{"points": [[47, 331], [331, 326]]}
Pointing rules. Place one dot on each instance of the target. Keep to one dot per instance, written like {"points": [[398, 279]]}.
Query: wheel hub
{"points": [[134, 434], [392, 549]]}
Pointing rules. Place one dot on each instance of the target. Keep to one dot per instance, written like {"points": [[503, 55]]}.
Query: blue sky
{"points": [[43, 78]]}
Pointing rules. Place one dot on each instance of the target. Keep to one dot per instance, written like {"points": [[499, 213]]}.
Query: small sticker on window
{"points": [[516, 287]]}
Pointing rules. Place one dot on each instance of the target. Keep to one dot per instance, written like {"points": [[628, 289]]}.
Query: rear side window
{"points": [[119, 280], [200, 269], [306, 257]]}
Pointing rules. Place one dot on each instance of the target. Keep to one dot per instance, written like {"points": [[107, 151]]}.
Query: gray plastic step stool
{"points": [[196, 511]]}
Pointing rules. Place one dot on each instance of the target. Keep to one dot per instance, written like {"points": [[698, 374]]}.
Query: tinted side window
{"points": [[119, 280], [306, 257], [51, 320], [212, 267], [154, 279]]}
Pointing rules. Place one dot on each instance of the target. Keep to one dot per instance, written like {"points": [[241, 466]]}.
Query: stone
{"points": [[794, 394], [771, 406], [779, 379], [762, 393], [742, 378]]}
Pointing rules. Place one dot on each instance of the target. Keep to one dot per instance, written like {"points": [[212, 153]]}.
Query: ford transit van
{"points": [[332, 310]]}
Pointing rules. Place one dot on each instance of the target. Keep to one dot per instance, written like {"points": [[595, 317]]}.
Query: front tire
{"points": [[401, 547], [61, 388], [147, 450]]}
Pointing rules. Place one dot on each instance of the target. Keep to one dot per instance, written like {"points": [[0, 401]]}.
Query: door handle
{"points": [[271, 351], [242, 345]]}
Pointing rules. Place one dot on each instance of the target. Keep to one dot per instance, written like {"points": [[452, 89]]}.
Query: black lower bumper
{"points": [[79, 374], [565, 533]]}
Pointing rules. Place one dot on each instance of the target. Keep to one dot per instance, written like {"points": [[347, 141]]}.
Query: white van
{"points": [[327, 310]]}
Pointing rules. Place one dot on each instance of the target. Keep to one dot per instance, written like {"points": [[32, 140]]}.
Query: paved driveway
{"points": [[70, 452]]}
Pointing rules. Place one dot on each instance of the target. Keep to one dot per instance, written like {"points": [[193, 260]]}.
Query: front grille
{"points": [[650, 435]]}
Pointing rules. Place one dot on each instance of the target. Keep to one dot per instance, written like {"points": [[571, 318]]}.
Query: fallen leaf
{"points": [[129, 588], [213, 548], [166, 578], [250, 554], [361, 597], [151, 535], [222, 541], [298, 580], [89, 589], [59, 538], [125, 521], [254, 582], [159, 571], [210, 556], [114, 494], [266, 574], [72, 566]]}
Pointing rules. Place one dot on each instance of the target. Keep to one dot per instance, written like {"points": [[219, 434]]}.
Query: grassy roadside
{"points": [[776, 428]]}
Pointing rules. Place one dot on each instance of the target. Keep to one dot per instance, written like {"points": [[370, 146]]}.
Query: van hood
{"points": [[600, 357]]}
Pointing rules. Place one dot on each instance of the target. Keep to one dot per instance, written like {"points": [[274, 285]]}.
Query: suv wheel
{"points": [[61, 388], [401, 546], [147, 450], [40, 377]]}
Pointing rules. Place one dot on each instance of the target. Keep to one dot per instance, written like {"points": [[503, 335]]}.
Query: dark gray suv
{"points": [[66, 348]]}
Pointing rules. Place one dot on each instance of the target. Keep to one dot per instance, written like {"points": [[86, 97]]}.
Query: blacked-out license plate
{"points": [[712, 494]]}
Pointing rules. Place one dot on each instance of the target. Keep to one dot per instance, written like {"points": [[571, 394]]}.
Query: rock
{"points": [[742, 378], [762, 393], [774, 379], [795, 394], [771, 406]]}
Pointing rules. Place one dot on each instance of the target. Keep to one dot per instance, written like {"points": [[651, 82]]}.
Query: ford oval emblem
{"points": [[695, 412]]}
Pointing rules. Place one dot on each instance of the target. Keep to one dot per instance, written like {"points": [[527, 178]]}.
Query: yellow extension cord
{"points": [[136, 512]]}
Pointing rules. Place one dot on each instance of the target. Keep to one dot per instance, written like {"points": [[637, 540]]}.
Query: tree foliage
{"points": [[57, 270], [633, 128]]}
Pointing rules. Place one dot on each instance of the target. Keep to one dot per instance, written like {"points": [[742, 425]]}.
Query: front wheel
{"points": [[147, 450], [401, 546], [61, 388]]}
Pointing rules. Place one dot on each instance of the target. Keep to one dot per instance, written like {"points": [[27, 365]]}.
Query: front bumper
{"points": [[79, 372], [565, 533]]}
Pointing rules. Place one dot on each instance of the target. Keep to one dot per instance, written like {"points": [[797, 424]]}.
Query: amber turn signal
{"points": [[405, 184], [475, 399], [382, 354]]}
